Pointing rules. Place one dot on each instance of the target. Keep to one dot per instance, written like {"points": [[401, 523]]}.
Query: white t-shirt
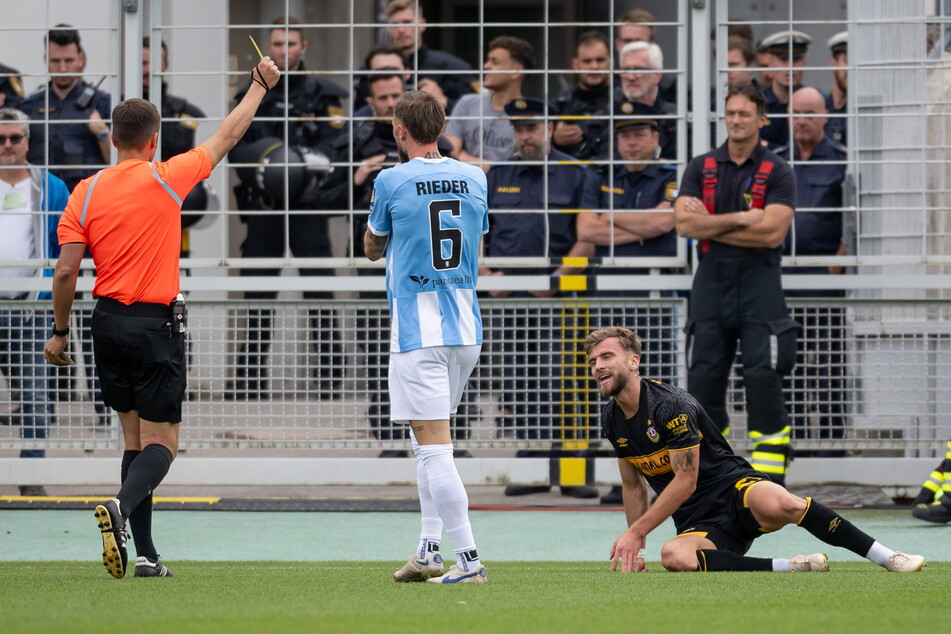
{"points": [[491, 138], [17, 241]]}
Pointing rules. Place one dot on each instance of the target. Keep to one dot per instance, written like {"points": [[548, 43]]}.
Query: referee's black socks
{"points": [[140, 519], [834, 529], [145, 473]]}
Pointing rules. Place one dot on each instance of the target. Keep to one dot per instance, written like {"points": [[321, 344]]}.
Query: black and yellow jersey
{"points": [[669, 419]]}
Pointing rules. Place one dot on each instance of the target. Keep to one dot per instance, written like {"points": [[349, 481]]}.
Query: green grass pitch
{"points": [[519, 597]]}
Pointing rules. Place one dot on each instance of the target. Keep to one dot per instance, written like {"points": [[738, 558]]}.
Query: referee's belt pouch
{"points": [[178, 320]]}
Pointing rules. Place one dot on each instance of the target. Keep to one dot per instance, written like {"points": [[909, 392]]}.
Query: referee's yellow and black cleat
{"points": [[112, 526]]}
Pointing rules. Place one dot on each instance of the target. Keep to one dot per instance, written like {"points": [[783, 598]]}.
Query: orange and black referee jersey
{"points": [[129, 216]]}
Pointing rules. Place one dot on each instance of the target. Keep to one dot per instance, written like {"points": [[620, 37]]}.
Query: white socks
{"points": [[431, 530], [879, 554], [437, 475]]}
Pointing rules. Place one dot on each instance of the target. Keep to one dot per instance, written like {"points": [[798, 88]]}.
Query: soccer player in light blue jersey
{"points": [[428, 215]]}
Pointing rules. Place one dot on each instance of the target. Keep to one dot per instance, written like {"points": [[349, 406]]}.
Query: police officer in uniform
{"points": [[11, 87], [530, 337], [637, 183], [407, 25], [587, 139], [373, 149], [819, 165], [639, 83], [84, 147], [302, 99], [179, 122], [737, 202], [787, 50], [838, 98]]}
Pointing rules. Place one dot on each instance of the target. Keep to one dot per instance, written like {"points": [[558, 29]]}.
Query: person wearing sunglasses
{"points": [[32, 202]]}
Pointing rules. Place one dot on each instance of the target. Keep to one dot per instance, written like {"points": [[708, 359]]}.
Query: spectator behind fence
{"points": [[587, 139], [350, 188], [406, 29], [80, 146], [639, 81], [478, 130], [787, 55], [838, 98], [77, 149], [179, 122], [382, 57], [32, 202], [740, 57], [737, 203], [763, 58], [636, 26], [11, 87], [637, 183], [309, 138], [819, 374], [128, 217], [531, 337]]}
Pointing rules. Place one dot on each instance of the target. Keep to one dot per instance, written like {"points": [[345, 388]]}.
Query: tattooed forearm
{"points": [[374, 246], [683, 461]]}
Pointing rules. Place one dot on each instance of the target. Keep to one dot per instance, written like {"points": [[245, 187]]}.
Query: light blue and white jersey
{"points": [[435, 212]]}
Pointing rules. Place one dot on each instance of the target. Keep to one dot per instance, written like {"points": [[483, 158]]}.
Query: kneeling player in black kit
{"points": [[718, 502]]}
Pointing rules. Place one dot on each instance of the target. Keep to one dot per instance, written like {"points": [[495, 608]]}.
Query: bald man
{"points": [[819, 164]]}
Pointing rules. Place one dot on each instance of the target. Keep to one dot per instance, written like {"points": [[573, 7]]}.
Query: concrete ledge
{"points": [[893, 473]]}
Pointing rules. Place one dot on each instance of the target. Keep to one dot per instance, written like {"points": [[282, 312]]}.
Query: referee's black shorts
{"points": [[729, 522], [141, 365]]}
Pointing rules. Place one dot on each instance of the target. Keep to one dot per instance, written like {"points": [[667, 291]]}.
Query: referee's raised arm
{"points": [[265, 75]]}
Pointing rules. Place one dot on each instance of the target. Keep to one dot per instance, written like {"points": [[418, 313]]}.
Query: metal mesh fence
{"points": [[864, 379], [289, 373]]}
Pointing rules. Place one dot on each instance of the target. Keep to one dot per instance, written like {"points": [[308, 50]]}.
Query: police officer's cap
{"points": [[631, 115], [839, 43], [522, 110], [778, 43]]}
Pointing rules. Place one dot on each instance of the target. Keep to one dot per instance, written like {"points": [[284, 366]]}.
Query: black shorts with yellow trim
{"points": [[730, 524]]}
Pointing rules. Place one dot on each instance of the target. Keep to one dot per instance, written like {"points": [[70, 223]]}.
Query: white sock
{"points": [[450, 499], [430, 533], [780, 565], [879, 554], [468, 560]]}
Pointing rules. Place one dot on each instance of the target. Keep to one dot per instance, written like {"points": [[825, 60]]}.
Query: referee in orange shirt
{"points": [[129, 216]]}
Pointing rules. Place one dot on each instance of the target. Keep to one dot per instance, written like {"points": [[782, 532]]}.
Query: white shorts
{"points": [[427, 383]]}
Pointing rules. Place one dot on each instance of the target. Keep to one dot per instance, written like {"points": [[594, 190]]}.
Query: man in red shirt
{"points": [[129, 216]]}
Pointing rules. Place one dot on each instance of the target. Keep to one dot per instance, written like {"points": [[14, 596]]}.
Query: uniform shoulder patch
{"points": [[16, 84], [671, 191], [187, 121], [337, 117]]}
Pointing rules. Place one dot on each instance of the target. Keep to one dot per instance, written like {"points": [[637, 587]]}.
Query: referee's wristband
{"points": [[60, 333]]}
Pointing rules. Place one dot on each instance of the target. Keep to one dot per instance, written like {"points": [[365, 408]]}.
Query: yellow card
{"points": [[260, 54]]}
